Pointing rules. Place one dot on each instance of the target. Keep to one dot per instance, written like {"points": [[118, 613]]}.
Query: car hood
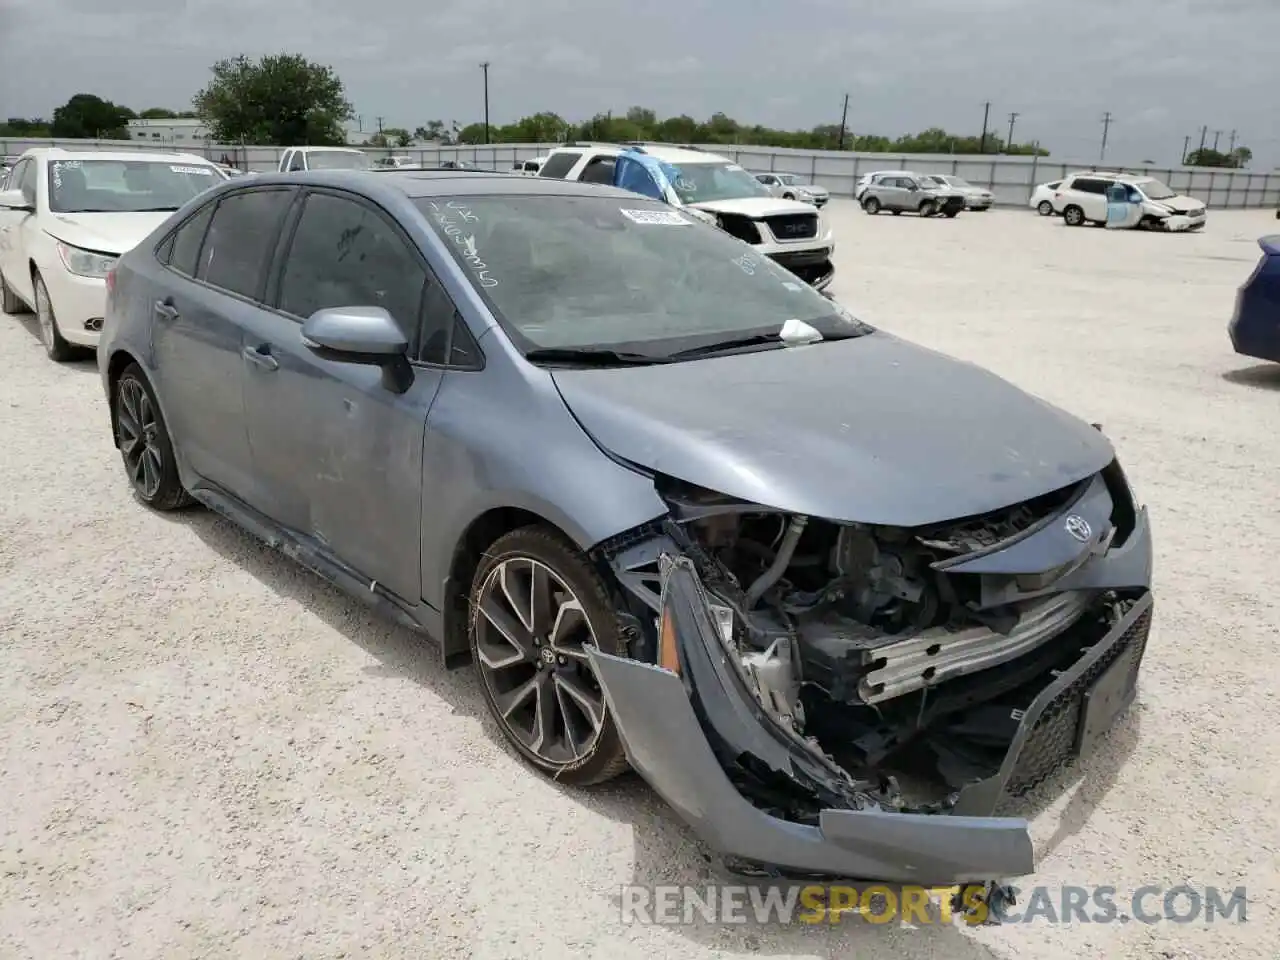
{"points": [[754, 207], [1181, 204], [103, 232], [872, 429]]}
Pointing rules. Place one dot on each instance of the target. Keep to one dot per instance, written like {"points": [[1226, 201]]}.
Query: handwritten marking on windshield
{"points": [[747, 265], [448, 216]]}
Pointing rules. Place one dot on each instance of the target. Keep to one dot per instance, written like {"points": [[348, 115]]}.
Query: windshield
{"points": [[1155, 190], [340, 160], [957, 182], [601, 273], [126, 186], [698, 182], [790, 179]]}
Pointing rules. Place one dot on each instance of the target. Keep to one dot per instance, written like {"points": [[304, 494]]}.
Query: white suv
{"points": [[1082, 198], [792, 234]]}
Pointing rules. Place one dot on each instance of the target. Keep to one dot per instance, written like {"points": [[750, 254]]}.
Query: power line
{"points": [[1106, 127], [986, 111], [1008, 144]]}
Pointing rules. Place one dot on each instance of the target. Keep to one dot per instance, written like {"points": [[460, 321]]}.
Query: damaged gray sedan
{"points": [[835, 596]]}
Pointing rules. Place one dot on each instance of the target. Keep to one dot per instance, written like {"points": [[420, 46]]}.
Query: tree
{"points": [[36, 128], [1208, 157], [283, 99], [157, 113], [397, 136], [86, 116]]}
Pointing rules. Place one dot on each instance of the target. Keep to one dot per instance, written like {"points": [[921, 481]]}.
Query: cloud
{"points": [[1163, 68]]}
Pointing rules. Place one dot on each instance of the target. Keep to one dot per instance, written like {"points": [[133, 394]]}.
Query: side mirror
{"points": [[361, 335], [913, 187], [15, 200]]}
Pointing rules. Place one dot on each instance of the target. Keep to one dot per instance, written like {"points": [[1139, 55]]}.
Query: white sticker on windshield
{"points": [[734, 167], [198, 171], [667, 218], [793, 287]]}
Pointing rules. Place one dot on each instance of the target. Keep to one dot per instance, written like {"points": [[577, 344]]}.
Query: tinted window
{"points": [[559, 164], [344, 254], [1087, 185], [598, 170], [1055, 185], [241, 238], [598, 271], [185, 251]]}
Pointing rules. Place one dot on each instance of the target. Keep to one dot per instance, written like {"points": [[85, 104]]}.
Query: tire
{"points": [[1073, 216], [927, 209], [871, 205], [143, 441], [1045, 208], [525, 671], [951, 214], [9, 301], [788, 196], [55, 346]]}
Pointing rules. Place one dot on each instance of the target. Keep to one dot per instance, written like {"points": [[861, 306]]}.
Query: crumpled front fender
{"points": [[668, 744]]}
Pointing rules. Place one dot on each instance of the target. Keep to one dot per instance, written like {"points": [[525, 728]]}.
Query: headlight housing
{"points": [[85, 263]]}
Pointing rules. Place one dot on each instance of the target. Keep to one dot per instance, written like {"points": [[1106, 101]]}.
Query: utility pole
{"points": [[844, 118], [1186, 142], [1204, 132], [379, 124], [1216, 135], [986, 111], [485, 67], [1232, 148], [1008, 144], [1106, 126]]}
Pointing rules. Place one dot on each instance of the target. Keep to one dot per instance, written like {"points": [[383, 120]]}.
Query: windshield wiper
{"points": [[151, 210], [590, 356], [758, 340]]}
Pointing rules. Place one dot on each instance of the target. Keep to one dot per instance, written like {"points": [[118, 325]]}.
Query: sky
{"points": [[1163, 68]]}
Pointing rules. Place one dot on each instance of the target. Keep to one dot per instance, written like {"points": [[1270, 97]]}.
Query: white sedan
{"points": [[1042, 198], [66, 216]]}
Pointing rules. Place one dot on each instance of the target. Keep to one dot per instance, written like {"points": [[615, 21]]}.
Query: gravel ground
{"points": [[208, 752]]}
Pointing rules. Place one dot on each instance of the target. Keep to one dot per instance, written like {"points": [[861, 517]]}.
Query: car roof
{"points": [[417, 184], [668, 154], [61, 153]]}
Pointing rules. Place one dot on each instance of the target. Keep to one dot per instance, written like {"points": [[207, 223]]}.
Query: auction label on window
{"points": [[199, 171], [661, 217]]}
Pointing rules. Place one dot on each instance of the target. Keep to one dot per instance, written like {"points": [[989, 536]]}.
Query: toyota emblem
{"points": [[1079, 528]]}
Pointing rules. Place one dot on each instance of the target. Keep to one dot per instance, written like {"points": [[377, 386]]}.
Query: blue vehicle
{"points": [[1255, 327]]}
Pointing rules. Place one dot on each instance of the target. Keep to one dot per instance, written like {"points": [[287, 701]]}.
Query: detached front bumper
{"points": [[684, 728]]}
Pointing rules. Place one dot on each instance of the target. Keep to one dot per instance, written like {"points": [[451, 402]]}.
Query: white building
{"points": [[176, 130]]}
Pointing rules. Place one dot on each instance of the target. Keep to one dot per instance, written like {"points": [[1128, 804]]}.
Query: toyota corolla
{"points": [[835, 596]]}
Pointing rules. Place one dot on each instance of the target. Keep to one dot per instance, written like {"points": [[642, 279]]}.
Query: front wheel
{"points": [[537, 606], [927, 209], [871, 205], [55, 346], [143, 441], [1045, 208]]}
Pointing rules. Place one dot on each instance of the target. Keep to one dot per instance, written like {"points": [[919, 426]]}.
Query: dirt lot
{"points": [[207, 752]]}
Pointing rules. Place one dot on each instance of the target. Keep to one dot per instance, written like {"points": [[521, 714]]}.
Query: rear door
{"points": [[1091, 195], [217, 262], [11, 221], [340, 452]]}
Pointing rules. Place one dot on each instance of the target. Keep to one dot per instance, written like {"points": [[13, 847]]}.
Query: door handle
{"points": [[261, 356], [165, 309]]}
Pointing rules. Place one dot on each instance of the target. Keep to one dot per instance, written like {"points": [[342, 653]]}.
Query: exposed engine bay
{"points": [[876, 648]]}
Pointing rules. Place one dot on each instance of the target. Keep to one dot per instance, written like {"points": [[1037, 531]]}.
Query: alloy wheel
{"points": [[137, 437], [44, 316], [532, 635]]}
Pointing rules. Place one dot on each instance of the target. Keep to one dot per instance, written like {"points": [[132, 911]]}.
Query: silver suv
{"points": [[914, 192], [790, 186]]}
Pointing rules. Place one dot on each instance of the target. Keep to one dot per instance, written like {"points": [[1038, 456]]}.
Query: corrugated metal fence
{"points": [[1011, 179]]}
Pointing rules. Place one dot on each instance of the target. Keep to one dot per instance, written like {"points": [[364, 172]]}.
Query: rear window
{"points": [[559, 164]]}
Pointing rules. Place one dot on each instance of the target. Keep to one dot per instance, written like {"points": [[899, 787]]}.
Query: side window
{"points": [[343, 254], [240, 241], [284, 160], [598, 170], [765, 179], [299, 161], [184, 245], [559, 164], [27, 180]]}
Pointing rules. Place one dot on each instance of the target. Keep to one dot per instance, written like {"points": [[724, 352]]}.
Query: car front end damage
{"points": [[843, 700]]}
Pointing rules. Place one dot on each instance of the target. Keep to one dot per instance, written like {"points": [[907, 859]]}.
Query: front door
{"points": [[339, 452], [1124, 207], [14, 226]]}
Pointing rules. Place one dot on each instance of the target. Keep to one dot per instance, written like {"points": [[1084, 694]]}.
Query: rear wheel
{"points": [[9, 302], [143, 441], [537, 606], [788, 196], [1073, 216], [55, 346], [871, 205], [1045, 208]]}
